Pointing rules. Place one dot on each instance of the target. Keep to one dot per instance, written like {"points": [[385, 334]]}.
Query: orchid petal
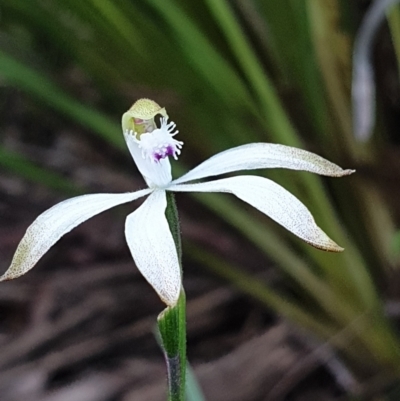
{"points": [[51, 225], [263, 155], [273, 200], [152, 247], [156, 174]]}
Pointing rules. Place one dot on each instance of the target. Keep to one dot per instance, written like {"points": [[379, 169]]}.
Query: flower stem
{"points": [[172, 321]]}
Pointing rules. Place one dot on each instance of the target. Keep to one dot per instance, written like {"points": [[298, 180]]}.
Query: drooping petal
{"points": [[153, 249], [263, 155], [51, 225], [156, 174], [273, 200]]}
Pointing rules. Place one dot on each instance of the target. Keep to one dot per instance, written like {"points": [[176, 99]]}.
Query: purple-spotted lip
{"points": [[159, 143], [165, 152]]}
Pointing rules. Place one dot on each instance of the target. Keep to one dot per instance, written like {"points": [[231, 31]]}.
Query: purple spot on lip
{"points": [[162, 154], [169, 151]]}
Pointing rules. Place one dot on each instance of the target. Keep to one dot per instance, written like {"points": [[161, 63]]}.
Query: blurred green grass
{"points": [[232, 73]]}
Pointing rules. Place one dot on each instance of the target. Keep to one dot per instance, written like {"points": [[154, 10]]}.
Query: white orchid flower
{"points": [[150, 139]]}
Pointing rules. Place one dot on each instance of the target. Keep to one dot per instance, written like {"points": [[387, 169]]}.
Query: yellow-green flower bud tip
{"points": [[145, 109], [142, 111]]}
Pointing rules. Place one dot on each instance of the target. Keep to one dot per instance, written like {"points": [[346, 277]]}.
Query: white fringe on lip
{"points": [[159, 144]]}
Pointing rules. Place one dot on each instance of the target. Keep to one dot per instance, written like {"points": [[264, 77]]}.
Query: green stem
{"points": [[172, 321]]}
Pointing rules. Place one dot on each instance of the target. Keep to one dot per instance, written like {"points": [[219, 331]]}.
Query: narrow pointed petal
{"points": [[263, 155], [273, 200], [51, 225], [153, 249]]}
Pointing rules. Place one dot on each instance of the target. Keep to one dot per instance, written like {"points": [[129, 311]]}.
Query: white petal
{"points": [[273, 200], [263, 155], [51, 225], [156, 174], [153, 249]]}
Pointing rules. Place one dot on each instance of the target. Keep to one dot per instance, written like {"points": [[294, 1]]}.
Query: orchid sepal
{"points": [[255, 156], [57, 221], [153, 248], [274, 201]]}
